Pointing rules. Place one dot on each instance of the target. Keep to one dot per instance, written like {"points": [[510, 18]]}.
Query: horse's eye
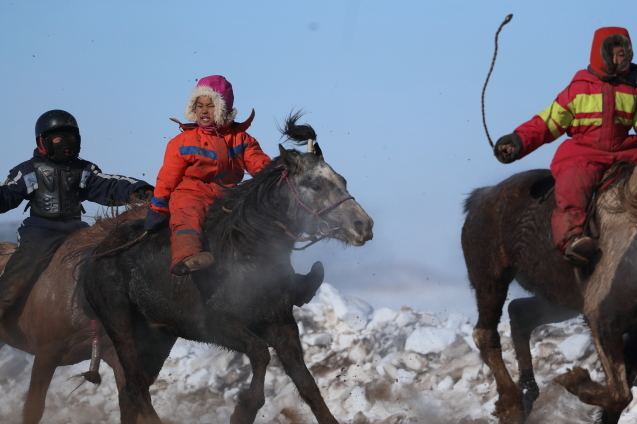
{"points": [[316, 188]]}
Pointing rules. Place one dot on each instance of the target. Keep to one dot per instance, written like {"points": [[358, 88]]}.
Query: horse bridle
{"points": [[322, 228]]}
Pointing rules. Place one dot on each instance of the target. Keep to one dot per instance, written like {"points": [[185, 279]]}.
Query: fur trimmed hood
{"points": [[601, 52], [220, 91]]}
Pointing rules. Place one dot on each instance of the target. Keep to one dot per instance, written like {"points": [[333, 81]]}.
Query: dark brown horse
{"points": [[506, 236], [244, 301], [49, 321]]}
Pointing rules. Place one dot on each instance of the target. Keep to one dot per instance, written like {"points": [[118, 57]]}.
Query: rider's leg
{"points": [[34, 253], [574, 184], [187, 214]]}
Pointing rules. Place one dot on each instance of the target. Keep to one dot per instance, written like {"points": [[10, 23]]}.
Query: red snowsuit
{"points": [[196, 165], [597, 115]]}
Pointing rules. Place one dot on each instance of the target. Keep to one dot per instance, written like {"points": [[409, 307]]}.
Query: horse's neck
{"points": [[616, 212], [632, 182], [619, 196]]}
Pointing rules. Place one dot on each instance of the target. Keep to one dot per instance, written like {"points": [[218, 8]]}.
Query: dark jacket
{"points": [[93, 185]]}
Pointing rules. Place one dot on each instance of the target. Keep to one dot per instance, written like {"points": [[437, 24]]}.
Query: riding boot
{"points": [[579, 250], [192, 263], [21, 272], [305, 286], [9, 292]]}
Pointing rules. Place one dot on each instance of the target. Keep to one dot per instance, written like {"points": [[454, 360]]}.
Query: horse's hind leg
{"points": [[525, 315], [284, 338], [44, 366], [120, 326], [630, 356], [491, 285], [127, 409]]}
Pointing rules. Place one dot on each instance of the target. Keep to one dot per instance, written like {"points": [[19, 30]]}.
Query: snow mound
{"points": [[372, 367]]}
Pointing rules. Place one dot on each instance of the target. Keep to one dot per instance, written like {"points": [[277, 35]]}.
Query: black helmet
{"points": [[55, 120]]}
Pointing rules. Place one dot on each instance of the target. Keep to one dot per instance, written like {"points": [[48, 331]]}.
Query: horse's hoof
{"points": [[573, 378], [511, 414]]}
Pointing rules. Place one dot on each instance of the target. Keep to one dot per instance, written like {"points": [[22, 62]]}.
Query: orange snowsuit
{"points": [[198, 163]]}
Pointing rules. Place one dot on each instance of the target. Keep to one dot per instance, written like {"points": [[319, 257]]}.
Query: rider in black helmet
{"points": [[55, 182]]}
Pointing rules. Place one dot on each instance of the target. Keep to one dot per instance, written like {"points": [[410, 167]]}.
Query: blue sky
{"points": [[392, 89]]}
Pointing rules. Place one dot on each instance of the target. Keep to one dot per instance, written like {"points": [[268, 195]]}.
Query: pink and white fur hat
{"points": [[220, 91]]}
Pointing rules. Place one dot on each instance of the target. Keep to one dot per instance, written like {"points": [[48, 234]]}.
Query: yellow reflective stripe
{"points": [[624, 121], [587, 121], [555, 115], [586, 103], [625, 102]]}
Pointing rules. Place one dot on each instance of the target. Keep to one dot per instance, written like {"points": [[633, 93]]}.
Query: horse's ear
{"points": [[287, 158], [317, 151]]}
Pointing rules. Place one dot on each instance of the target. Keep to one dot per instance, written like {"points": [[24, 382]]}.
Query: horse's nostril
{"points": [[358, 224]]}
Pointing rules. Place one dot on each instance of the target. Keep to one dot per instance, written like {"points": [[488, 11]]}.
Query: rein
{"points": [[122, 247], [323, 228]]}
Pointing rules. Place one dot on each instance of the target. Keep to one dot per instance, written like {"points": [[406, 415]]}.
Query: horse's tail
{"points": [[92, 375], [474, 198]]}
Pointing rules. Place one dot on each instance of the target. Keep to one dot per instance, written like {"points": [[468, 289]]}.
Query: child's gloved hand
{"points": [[154, 220], [144, 194], [507, 149]]}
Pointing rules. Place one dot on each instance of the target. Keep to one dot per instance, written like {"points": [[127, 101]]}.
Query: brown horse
{"points": [[49, 321], [507, 235]]}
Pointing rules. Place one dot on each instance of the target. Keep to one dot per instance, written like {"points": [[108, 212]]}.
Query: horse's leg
{"points": [[616, 395], [284, 338], [525, 315], [44, 366], [121, 327], [630, 356], [127, 409], [491, 285], [231, 334]]}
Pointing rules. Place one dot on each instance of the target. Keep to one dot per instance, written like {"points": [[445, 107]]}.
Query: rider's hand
{"points": [[507, 149], [144, 194], [155, 220]]}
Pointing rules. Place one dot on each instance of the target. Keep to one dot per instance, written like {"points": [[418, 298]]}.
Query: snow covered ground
{"points": [[372, 366]]}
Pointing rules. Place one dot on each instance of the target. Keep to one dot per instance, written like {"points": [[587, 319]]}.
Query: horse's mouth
{"points": [[352, 237]]}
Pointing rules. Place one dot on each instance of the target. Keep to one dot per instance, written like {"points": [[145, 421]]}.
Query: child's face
{"points": [[619, 55], [205, 111]]}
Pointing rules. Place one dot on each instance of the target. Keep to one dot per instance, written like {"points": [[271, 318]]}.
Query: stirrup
{"points": [[192, 263], [579, 250]]}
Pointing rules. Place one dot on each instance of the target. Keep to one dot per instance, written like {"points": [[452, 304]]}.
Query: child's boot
{"points": [[192, 263]]}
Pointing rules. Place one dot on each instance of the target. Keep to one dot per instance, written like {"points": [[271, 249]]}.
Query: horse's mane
{"points": [[474, 198], [625, 195], [243, 217], [88, 238]]}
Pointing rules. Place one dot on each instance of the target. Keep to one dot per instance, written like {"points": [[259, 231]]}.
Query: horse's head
{"points": [[319, 201]]}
